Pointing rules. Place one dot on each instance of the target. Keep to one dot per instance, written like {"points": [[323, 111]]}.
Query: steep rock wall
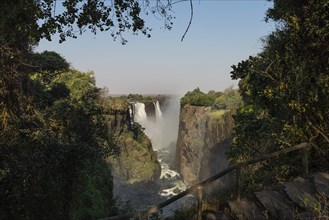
{"points": [[137, 161], [203, 138], [149, 109]]}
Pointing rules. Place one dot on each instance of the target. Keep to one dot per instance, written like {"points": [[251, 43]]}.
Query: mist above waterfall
{"points": [[159, 116], [163, 128]]}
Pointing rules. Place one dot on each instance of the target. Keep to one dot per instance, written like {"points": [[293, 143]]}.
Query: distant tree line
{"points": [[228, 99]]}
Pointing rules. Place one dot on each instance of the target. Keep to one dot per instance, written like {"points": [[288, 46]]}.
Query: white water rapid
{"points": [[163, 134]]}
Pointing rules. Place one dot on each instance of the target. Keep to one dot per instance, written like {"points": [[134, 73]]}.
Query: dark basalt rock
{"points": [[247, 210], [302, 192], [203, 138], [277, 203], [321, 181], [136, 161]]}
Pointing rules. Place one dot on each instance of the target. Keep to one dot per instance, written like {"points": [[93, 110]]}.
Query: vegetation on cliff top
{"points": [[228, 99], [123, 101]]}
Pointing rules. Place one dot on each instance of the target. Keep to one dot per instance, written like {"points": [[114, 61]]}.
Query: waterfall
{"points": [[153, 129], [140, 113], [158, 112], [131, 114], [163, 134]]}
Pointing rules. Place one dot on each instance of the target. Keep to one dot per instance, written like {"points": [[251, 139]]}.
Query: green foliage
{"points": [[54, 152], [198, 98], [139, 98], [81, 85], [135, 97], [228, 99], [34, 20], [286, 88], [138, 132], [218, 114], [52, 131], [136, 161], [49, 62], [24, 23], [255, 134], [91, 197]]}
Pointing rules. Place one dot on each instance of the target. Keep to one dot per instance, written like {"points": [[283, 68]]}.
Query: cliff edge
{"points": [[136, 160], [203, 138]]}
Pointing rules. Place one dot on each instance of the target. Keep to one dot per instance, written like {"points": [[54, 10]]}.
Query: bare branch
{"points": [[190, 22], [318, 130], [266, 74]]}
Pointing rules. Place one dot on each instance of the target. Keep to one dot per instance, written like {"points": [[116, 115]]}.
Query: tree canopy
{"points": [[228, 99], [286, 86], [24, 20], [53, 153], [53, 133]]}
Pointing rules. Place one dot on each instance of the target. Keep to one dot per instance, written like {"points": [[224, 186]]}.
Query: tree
{"points": [[49, 62], [287, 83], [53, 134], [25, 22], [197, 98], [52, 157]]}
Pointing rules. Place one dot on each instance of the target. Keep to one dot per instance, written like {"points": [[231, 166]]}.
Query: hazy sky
{"points": [[222, 34]]}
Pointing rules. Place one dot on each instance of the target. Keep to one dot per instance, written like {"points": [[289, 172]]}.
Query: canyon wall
{"points": [[203, 138], [136, 160]]}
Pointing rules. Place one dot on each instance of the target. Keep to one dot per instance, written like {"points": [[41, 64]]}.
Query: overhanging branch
{"points": [[190, 22]]}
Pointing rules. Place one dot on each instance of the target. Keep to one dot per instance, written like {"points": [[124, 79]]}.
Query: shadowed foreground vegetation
{"points": [[53, 150], [285, 89]]}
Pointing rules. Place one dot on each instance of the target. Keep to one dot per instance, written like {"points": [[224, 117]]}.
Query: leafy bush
{"points": [[228, 99], [52, 154]]}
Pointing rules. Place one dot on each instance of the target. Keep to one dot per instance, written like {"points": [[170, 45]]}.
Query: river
{"points": [[162, 131]]}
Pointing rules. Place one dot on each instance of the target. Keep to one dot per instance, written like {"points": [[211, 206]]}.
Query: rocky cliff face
{"points": [[136, 162], [203, 138]]}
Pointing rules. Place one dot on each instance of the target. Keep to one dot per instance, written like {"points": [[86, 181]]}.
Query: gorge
{"points": [[166, 147], [203, 139]]}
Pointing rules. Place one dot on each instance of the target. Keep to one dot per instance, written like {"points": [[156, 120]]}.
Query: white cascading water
{"points": [[158, 112], [153, 129], [139, 113], [163, 134]]}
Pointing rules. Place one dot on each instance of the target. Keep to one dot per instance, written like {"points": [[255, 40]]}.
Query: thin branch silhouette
{"points": [[190, 22]]}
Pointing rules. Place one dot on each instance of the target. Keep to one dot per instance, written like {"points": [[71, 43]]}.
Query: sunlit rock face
{"points": [[136, 178], [203, 138], [136, 161]]}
